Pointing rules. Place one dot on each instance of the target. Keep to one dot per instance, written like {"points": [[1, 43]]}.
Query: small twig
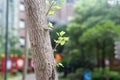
{"points": [[53, 1], [55, 47]]}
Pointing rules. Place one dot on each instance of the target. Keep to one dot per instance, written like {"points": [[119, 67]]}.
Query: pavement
{"points": [[28, 77]]}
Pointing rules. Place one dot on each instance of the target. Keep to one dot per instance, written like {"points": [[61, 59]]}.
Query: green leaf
{"points": [[53, 1], [51, 12], [60, 64], [60, 38], [47, 2], [62, 43], [66, 38], [56, 41], [57, 6], [50, 25], [57, 33], [62, 33]]}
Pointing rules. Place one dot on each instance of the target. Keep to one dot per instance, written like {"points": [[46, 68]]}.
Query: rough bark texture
{"points": [[43, 58]]}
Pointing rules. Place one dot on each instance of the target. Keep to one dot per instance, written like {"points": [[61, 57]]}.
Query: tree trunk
{"points": [[42, 53], [26, 55], [97, 53]]}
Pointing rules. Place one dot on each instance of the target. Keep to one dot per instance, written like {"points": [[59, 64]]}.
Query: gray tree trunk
{"points": [[42, 53], [26, 55]]}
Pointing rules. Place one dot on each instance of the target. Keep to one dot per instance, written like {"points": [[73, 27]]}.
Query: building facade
{"points": [[12, 19], [17, 17], [21, 22], [12, 14]]}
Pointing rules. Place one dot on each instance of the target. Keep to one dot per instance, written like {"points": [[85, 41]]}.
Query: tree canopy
{"points": [[92, 32]]}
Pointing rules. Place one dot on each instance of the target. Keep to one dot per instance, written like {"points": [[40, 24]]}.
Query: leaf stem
{"points": [[55, 47], [53, 1]]}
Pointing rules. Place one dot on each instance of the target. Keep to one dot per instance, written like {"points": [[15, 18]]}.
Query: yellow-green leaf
{"points": [[50, 25], [62, 43], [66, 38], [59, 64], [62, 33], [51, 12], [47, 2]]}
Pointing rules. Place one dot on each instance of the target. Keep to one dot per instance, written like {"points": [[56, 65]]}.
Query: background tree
{"points": [[13, 40], [99, 21]]}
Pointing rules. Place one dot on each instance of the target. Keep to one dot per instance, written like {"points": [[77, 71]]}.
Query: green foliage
{"points": [[12, 40], [98, 75], [53, 5], [2, 38], [101, 32], [78, 75], [50, 25], [92, 33], [59, 65], [92, 12], [54, 36], [47, 2], [61, 39], [17, 51]]}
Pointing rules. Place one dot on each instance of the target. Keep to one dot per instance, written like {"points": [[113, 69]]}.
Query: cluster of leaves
{"points": [[107, 30], [53, 5], [58, 37], [61, 39], [54, 36]]}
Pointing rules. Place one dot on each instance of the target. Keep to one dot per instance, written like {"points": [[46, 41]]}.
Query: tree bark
{"points": [[42, 53], [26, 55]]}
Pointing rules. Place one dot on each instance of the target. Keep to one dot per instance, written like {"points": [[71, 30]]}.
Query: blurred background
{"points": [[93, 49]]}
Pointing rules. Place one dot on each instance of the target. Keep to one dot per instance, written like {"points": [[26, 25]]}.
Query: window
{"points": [[22, 7], [22, 41], [22, 24]]}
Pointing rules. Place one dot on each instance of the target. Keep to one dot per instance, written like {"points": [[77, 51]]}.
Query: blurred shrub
{"points": [[114, 75], [78, 75], [97, 74], [17, 51]]}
